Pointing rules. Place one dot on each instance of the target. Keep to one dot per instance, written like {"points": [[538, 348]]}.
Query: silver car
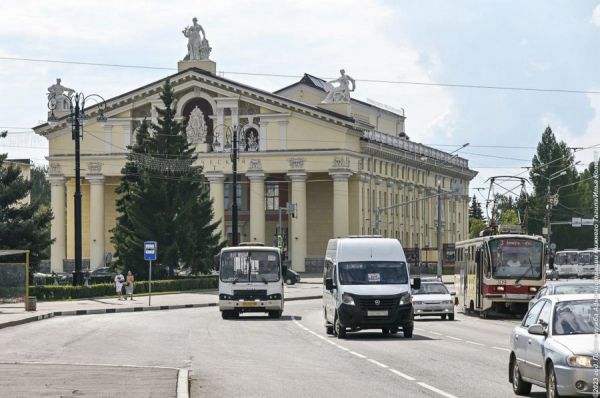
{"points": [[554, 347], [433, 298], [570, 286]]}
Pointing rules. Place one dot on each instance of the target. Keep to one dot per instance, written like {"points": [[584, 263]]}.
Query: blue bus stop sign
{"points": [[150, 251]]}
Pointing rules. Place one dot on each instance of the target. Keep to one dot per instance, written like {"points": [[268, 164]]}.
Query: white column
{"points": [[257, 205], [340, 202], [58, 232], [96, 220], [297, 238], [217, 195]]}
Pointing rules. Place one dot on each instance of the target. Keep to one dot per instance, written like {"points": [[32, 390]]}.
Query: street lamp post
{"points": [[76, 116]]}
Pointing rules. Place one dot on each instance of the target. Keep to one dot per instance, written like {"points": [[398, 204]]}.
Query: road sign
{"points": [[552, 246], [150, 251], [576, 222], [587, 221]]}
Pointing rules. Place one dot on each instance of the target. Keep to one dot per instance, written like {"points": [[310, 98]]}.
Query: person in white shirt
{"points": [[513, 261], [119, 279]]}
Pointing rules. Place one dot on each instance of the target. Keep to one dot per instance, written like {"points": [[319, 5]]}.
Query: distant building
{"points": [[337, 161]]}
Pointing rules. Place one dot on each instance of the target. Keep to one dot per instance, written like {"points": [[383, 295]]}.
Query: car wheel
{"points": [[385, 331], [329, 329], [394, 331], [451, 317], [275, 314], [519, 386], [340, 331], [407, 332], [289, 281], [443, 317], [551, 385]]}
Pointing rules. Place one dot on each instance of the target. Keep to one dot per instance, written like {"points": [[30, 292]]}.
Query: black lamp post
{"points": [[76, 115]]}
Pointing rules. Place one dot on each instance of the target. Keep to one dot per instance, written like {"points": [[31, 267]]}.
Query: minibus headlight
{"points": [[405, 299], [347, 299]]}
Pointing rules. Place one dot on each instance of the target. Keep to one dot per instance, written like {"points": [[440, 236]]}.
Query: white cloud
{"points": [[596, 15]]}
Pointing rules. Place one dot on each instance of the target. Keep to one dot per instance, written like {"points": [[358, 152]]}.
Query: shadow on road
{"points": [[437, 320], [249, 318], [374, 336]]}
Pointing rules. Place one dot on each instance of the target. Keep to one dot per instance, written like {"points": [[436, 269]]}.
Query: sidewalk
{"points": [[12, 315]]}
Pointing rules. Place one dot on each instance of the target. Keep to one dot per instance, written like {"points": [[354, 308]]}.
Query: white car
{"points": [[553, 347], [433, 298]]}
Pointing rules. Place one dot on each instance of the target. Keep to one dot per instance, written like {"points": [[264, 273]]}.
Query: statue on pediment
{"points": [[338, 90], [197, 129], [198, 47], [59, 96]]}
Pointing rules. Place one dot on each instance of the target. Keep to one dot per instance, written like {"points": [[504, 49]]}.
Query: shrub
{"points": [[53, 292]]}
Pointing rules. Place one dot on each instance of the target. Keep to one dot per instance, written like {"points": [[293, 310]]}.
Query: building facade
{"points": [[336, 162]]}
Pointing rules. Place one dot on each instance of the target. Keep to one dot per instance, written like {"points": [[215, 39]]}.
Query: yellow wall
{"points": [[319, 196]]}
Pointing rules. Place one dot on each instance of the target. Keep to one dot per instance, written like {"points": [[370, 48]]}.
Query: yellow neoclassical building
{"points": [[336, 158]]}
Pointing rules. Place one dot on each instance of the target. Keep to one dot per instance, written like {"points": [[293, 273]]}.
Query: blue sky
{"points": [[545, 44]]}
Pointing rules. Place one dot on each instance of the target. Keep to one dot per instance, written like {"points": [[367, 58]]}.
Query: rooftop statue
{"points": [[59, 96], [198, 48], [341, 92]]}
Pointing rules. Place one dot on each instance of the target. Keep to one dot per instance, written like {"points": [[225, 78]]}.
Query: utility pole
{"points": [[289, 208], [234, 207], [439, 231]]}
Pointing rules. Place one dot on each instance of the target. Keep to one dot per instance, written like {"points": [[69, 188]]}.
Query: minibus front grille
{"points": [[378, 303], [250, 294]]}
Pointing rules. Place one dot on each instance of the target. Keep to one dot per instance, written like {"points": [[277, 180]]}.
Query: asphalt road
{"points": [[293, 357]]}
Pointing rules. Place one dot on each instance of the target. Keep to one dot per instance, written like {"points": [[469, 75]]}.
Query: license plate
{"points": [[249, 304], [377, 313]]}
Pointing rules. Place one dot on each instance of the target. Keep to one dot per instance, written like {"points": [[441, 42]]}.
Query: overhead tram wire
{"points": [[379, 81]]}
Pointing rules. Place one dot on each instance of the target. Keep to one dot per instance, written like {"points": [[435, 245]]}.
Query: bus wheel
{"points": [[385, 331], [443, 317], [275, 314], [407, 332], [451, 317], [228, 314], [339, 330], [329, 329]]}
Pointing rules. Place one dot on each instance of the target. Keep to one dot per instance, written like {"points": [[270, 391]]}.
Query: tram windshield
{"points": [[516, 258]]}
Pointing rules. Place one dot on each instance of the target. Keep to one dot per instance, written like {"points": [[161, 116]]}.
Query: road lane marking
{"points": [[357, 354], [437, 390], [501, 349], [398, 373], [436, 333], [382, 365], [454, 338], [473, 342]]}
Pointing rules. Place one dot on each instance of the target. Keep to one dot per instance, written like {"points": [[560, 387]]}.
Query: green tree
{"points": [[23, 225], [167, 201], [475, 209], [40, 187], [475, 227], [509, 216]]}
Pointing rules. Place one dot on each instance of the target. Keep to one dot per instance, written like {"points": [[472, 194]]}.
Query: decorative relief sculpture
{"points": [[340, 162], [55, 169], [296, 163], [341, 92], [59, 96], [94, 168], [196, 129], [198, 48], [255, 164], [249, 140]]}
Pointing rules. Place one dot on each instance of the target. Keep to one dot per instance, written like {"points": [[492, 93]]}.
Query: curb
{"points": [[99, 311]]}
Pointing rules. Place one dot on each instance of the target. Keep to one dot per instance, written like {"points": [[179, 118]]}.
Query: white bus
{"points": [[250, 280], [566, 263], [586, 264]]}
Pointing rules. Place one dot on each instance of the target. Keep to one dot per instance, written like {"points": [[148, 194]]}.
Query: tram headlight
{"points": [[500, 288], [533, 289]]}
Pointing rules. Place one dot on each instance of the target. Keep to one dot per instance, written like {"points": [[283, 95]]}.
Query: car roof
{"points": [[569, 297], [570, 282]]}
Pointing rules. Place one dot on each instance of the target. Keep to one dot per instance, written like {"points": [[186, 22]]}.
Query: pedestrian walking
{"points": [[119, 279], [129, 285]]}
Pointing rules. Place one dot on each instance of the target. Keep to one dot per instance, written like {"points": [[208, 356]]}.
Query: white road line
{"points": [[398, 373], [420, 330], [377, 363], [183, 383], [436, 333], [501, 349], [357, 354], [473, 342], [437, 390], [454, 338]]}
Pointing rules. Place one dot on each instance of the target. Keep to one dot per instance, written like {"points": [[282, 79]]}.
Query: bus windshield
{"points": [[373, 273], [586, 258], [250, 266], [516, 258]]}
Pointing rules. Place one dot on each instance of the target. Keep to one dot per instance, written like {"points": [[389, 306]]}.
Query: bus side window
{"points": [[486, 264]]}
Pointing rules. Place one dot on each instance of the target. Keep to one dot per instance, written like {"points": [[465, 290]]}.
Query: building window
{"points": [[272, 195], [228, 196]]}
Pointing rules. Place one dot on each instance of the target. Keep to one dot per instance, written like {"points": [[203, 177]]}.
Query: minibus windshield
{"points": [[250, 266], [373, 273]]}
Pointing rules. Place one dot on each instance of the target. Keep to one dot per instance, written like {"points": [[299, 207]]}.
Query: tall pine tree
{"points": [[475, 209], [23, 225], [168, 204]]}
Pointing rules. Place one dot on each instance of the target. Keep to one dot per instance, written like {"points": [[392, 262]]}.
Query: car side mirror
{"points": [[453, 293], [329, 284], [416, 284], [537, 329]]}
